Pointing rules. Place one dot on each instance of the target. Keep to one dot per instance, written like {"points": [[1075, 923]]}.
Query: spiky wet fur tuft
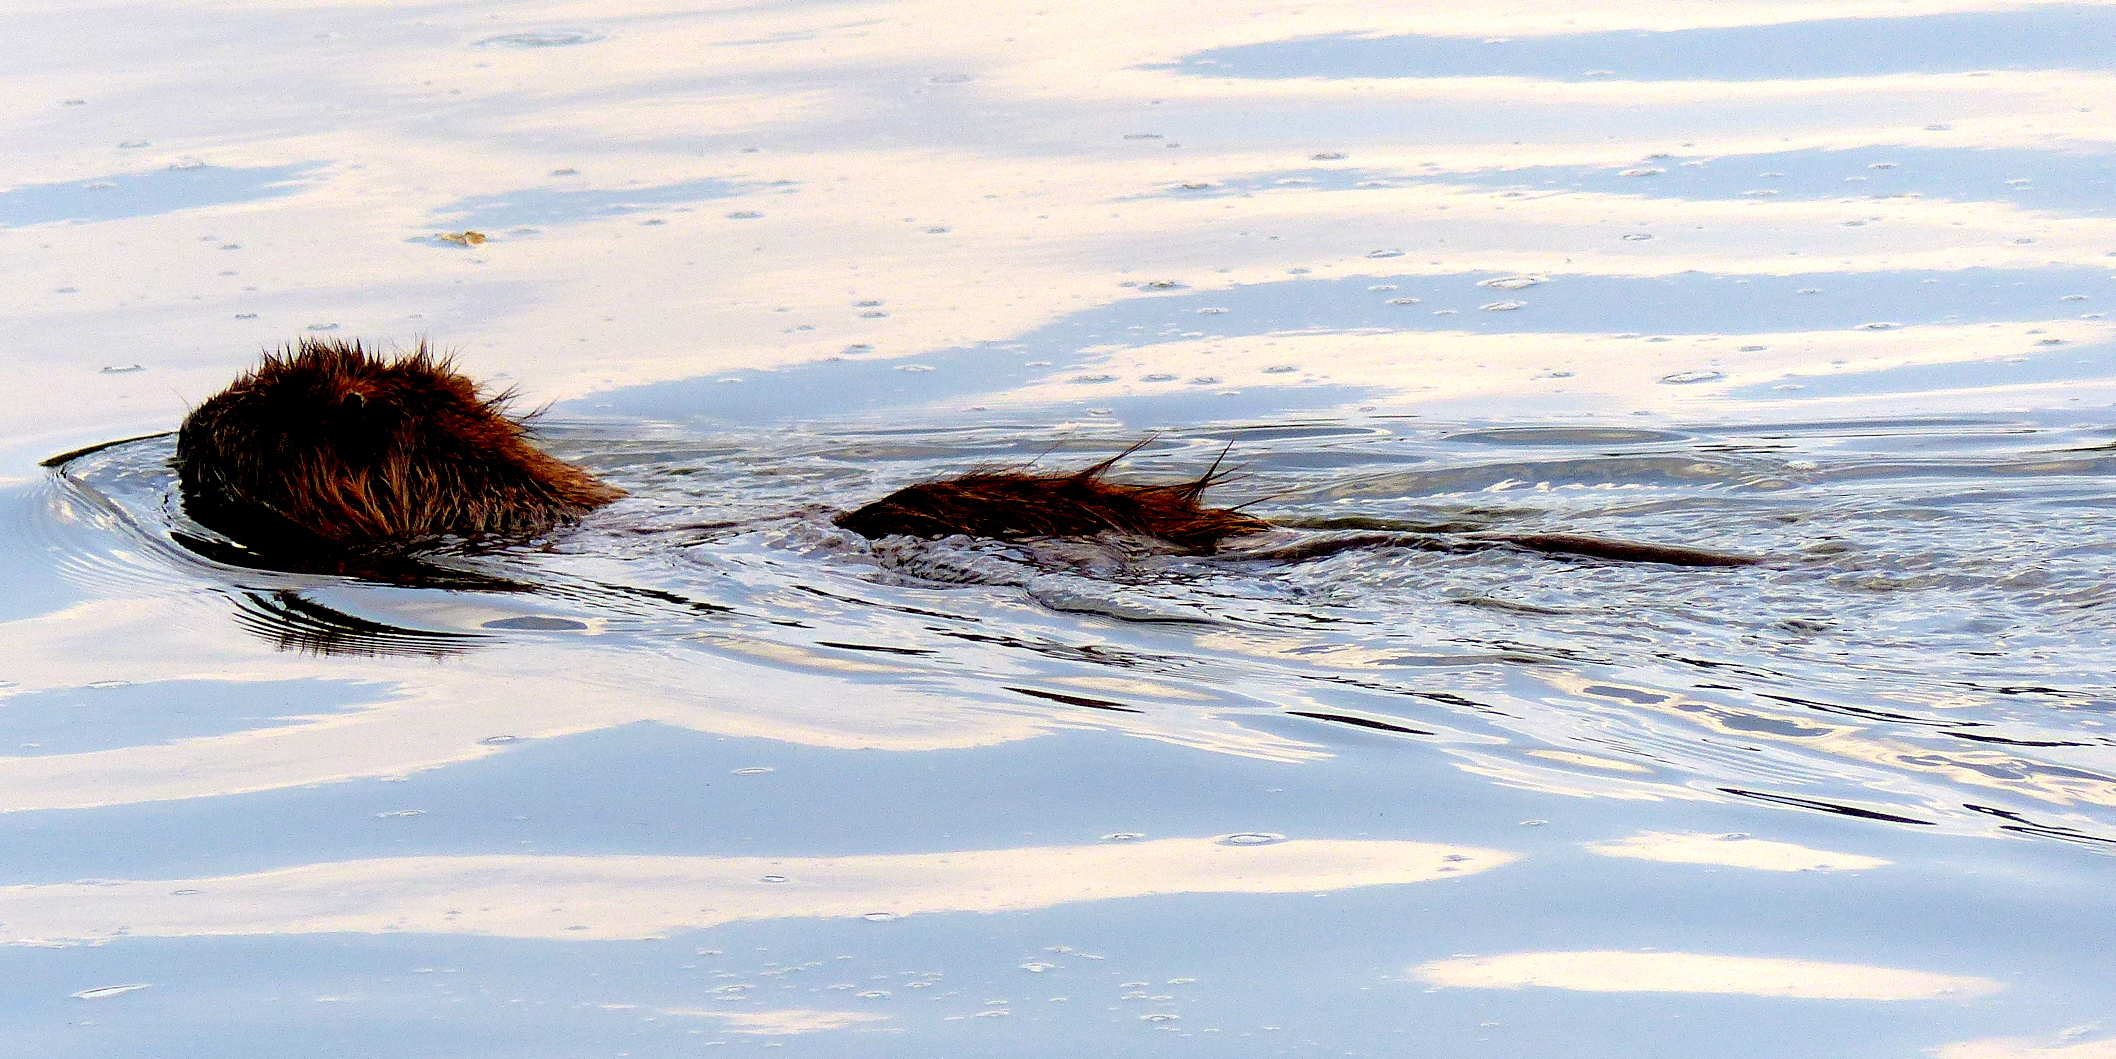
{"points": [[1015, 504], [328, 446]]}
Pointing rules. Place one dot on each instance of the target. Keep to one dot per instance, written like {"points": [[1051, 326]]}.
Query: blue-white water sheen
{"points": [[1822, 285]]}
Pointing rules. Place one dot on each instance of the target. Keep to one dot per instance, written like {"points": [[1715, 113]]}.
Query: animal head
{"points": [[327, 445]]}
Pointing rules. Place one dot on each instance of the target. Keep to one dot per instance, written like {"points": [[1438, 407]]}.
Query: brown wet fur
{"points": [[328, 447], [1010, 505], [330, 453]]}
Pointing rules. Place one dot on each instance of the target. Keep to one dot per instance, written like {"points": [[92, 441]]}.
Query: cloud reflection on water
{"points": [[616, 897], [1686, 972]]}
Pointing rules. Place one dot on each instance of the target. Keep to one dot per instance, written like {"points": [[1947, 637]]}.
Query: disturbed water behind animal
{"points": [[1925, 644], [916, 785]]}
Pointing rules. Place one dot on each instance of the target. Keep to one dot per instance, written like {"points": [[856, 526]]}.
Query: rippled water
{"points": [[1818, 284]]}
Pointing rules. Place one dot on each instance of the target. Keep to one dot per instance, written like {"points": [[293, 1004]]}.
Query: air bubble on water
{"points": [[1249, 838], [1195, 185], [565, 172], [1160, 284], [1403, 301], [246, 316], [1210, 311], [1327, 156], [1159, 1016], [1205, 380], [2073, 298], [1094, 378], [1297, 271], [772, 878], [1159, 376], [102, 992], [400, 814], [950, 79], [744, 215], [1808, 290], [1142, 135], [323, 327], [1879, 326], [1501, 307], [1637, 237], [938, 231], [1384, 253], [1511, 282], [1281, 369], [913, 367], [1753, 349], [536, 623], [550, 39], [499, 740], [122, 369], [1443, 312], [1383, 286], [753, 770], [1642, 170], [1760, 193], [881, 917], [1037, 966], [1684, 378], [873, 314]]}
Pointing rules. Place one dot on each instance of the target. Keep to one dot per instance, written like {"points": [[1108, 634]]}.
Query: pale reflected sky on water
{"points": [[1825, 281]]}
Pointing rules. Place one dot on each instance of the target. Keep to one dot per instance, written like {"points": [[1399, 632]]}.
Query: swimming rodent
{"points": [[328, 450]]}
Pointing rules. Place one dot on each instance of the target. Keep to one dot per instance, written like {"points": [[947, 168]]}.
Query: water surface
{"points": [[1821, 287]]}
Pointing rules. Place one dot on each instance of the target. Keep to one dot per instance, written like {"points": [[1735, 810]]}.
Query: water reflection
{"points": [[2068, 1047], [1426, 267], [617, 897], [152, 192], [1734, 851], [2054, 37], [1685, 972], [1802, 684], [2074, 184], [565, 205]]}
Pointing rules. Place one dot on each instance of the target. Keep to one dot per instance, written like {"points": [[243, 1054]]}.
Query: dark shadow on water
{"points": [[2094, 363], [150, 193], [87, 719], [547, 206], [2040, 38], [2071, 182], [293, 622], [1640, 308]]}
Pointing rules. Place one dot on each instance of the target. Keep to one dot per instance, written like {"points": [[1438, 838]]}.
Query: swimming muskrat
{"points": [[329, 452], [329, 449]]}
